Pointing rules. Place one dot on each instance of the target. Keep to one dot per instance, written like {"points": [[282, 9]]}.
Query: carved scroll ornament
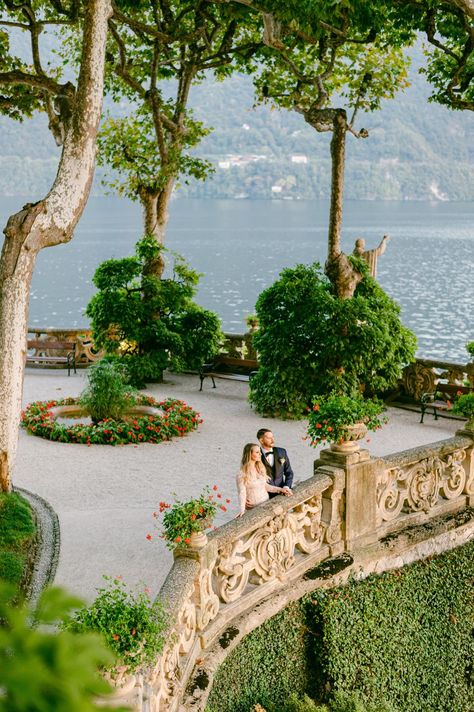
{"points": [[419, 486]]}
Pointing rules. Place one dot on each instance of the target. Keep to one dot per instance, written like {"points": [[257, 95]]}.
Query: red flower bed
{"points": [[176, 420]]}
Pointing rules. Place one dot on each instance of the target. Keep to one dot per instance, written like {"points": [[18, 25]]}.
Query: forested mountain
{"points": [[415, 150]]}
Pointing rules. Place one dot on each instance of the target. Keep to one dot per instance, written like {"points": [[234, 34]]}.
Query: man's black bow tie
{"points": [[269, 452]]}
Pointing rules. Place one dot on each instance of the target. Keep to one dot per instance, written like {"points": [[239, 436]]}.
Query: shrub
{"points": [[330, 415], [41, 669], [402, 641], [464, 405], [107, 394], [311, 343], [151, 323], [470, 348], [132, 626], [17, 532]]}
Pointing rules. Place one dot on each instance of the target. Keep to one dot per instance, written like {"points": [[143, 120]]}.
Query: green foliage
{"points": [[312, 343], [401, 641], [464, 405], [182, 519], [267, 667], [128, 146], [470, 348], [151, 323], [42, 670], [341, 702], [379, 636], [107, 394], [173, 418], [17, 530], [132, 626], [330, 415]]}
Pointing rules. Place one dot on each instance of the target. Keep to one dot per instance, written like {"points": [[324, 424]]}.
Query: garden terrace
{"points": [[355, 516]]}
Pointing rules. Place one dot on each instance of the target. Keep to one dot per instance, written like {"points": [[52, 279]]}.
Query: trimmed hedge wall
{"points": [[267, 666], [405, 637], [17, 534]]}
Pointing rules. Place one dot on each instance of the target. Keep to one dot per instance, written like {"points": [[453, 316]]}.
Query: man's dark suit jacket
{"points": [[281, 473]]}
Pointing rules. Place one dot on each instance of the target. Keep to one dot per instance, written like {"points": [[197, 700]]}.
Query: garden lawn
{"points": [[17, 532]]}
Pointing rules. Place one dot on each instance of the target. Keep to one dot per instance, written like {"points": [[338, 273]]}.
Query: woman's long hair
{"points": [[246, 463]]}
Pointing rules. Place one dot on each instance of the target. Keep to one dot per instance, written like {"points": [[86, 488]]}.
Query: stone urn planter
{"points": [[350, 443]]}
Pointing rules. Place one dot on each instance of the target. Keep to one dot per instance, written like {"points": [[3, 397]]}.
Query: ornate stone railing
{"points": [[243, 562], [352, 503], [235, 345], [86, 352], [431, 481], [422, 375]]}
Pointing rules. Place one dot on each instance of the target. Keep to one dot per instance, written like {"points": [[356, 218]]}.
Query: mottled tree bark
{"points": [[49, 222], [155, 221], [338, 268]]}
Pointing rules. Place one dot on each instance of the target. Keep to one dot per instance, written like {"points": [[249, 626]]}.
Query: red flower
{"points": [[215, 488], [178, 539], [187, 540], [115, 636], [329, 429], [219, 496], [148, 536], [228, 501], [316, 407], [318, 425], [193, 517], [224, 509]]}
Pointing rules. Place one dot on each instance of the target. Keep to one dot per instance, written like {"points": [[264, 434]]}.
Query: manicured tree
{"points": [[151, 44], [311, 342], [166, 329], [74, 113]]}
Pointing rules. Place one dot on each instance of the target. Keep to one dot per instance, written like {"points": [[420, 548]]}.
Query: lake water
{"points": [[241, 246]]}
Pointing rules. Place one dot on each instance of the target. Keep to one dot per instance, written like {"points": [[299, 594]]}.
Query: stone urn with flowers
{"points": [[184, 524], [343, 420]]}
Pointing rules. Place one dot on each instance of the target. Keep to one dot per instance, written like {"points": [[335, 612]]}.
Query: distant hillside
{"points": [[415, 150]]}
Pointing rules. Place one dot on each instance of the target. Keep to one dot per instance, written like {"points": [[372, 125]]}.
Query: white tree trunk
{"points": [[47, 223]]}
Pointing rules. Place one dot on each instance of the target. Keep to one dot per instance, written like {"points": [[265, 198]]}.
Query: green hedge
{"points": [[405, 638], [17, 531], [267, 666]]}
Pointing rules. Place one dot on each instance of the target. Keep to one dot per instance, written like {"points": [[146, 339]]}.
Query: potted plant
{"points": [[184, 523], [464, 406], [133, 627], [343, 420]]}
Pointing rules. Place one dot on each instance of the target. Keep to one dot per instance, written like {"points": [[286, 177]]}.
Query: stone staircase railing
{"points": [[352, 502]]}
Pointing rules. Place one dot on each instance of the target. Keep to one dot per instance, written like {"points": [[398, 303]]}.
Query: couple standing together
{"points": [[265, 471]]}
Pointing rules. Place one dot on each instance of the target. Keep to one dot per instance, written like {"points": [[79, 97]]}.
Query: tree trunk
{"points": [[46, 223], [155, 219], [338, 268]]}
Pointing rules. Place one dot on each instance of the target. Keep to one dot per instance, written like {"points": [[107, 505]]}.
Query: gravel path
{"points": [[104, 496]]}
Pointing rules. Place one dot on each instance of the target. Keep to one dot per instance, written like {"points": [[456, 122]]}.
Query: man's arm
{"points": [[287, 472]]}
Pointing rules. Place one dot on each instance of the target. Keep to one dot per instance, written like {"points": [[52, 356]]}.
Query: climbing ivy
{"points": [[403, 640]]}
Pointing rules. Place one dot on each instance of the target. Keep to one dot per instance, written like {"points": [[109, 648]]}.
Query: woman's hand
{"points": [[287, 492], [240, 514]]}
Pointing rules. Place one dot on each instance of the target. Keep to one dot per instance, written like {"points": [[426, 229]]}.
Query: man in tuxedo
{"points": [[276, 462]]}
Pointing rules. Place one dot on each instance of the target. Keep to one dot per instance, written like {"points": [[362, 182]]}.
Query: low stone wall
{"points": [[418, 377], [356, 515]]}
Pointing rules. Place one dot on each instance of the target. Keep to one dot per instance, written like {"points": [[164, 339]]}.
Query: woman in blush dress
{"points": [[252, 480]]}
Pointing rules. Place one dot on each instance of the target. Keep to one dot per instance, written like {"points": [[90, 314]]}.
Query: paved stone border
{"points": [[48, 544]]}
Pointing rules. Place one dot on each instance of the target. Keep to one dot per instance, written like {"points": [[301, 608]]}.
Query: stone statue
{"points": [[370, 256]]}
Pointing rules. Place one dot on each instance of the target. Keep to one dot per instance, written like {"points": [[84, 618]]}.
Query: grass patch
{"points": [[17, 532]]}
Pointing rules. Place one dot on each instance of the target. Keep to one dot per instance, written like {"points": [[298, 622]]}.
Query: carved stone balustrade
{"points": [[424, 482], [422, 375], [86, 352], [235, 345], [243, 562]]}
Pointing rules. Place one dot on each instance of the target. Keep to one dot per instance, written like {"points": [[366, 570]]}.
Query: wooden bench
{"points": [[441, 399], [67, 355], [234, 369]]}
